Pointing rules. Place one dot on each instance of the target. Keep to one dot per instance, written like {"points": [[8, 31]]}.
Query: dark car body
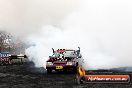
{"points": [[64, 60]]}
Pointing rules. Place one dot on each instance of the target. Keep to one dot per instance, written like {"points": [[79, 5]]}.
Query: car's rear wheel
{"points": [[81, 80], [49, 71]]}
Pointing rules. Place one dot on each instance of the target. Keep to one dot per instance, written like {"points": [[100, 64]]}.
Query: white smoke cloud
{"points": [[25, 17], [101, 28]]}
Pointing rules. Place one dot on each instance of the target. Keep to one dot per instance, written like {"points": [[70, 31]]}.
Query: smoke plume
{"points": [[101, 28]]}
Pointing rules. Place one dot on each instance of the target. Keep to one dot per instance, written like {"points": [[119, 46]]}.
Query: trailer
{"points": [[6, 58]]}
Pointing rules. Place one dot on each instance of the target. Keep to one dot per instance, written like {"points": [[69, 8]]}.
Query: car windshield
{"points": [[69, 53], [55, 54]]}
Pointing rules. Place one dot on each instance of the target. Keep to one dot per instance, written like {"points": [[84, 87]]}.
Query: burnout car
{"points": [[64, 60]]}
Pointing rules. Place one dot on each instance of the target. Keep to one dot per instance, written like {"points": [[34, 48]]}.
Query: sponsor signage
{"points": [[4, 55], [107, 78]]}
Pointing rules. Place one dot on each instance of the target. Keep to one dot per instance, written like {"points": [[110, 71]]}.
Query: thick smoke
{"points": [[25, 17], [101, 28]]}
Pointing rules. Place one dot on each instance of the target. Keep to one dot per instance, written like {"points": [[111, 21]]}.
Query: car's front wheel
{"points": [[81, 80], [49, 71], [76, 68]]}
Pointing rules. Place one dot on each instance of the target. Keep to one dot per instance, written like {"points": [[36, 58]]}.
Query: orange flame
{"points": [[81, 71]]}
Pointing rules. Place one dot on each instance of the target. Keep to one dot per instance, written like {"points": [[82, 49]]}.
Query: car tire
{"points": [[81, 80], [49, 71], [75, 69]]}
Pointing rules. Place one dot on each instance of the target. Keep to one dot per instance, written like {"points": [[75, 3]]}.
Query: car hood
{"points": [[59, 62]]}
